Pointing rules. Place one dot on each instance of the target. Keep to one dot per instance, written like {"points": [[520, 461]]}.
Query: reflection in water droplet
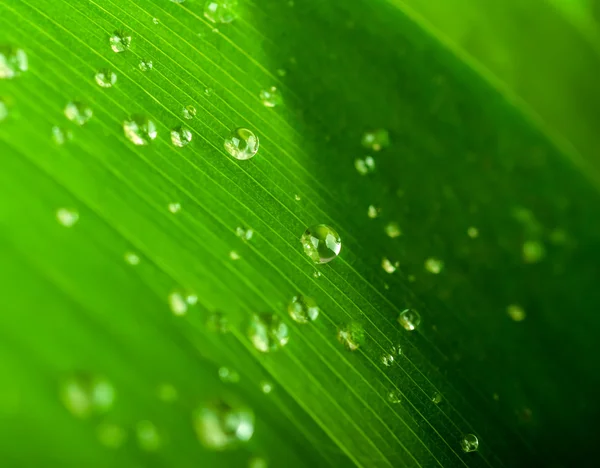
{"points": [[189, 112], [244, 234], [85, 394], [388, 266], [220, 11], [394, 397], [120, 41], [105, 78], [241, 143], [60, 135], [436, 398], [376, 139], [181, 136], [469, 443], [473, 232], [132, 258], [145, 65], [148, 437], [533, 251], [270, 97], [67, 216], [364, 166], [175, 207], [373, 212], [409, 319], [321, 243], [281, 72], [13, 62], [221, 425], [302, 309], [266, 387], [516, 312], [351, 336], [167, 393], [228, 375], [393, 230], [111, 435], [77, 112], [268, 332], [434, 265], [139, 130]]}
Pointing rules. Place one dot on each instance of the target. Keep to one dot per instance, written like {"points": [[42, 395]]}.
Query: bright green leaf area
{"points": [[489, 143]]}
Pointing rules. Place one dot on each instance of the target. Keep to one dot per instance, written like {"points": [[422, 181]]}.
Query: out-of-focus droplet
{"points": [[373, 211], [281, 72], [268, 332], [208, 92], [228, 375], [393, 230], [78, 112], [364, 166], [148, 437], [221, 425], [179, 302], [243, 233], [436, 398], [473, 232], [241, 143], [68, 217], [316, 274], [105, 78], [352, 336], [85, 394], [181, 136], [221, 11], [394, 397], [139, 130], [132, 258], [387, 359], [516, 312], [257, 462], [376, 140], [60, 135], [155, 20], [167, 393], [175, 207], [469, 443], [189, 112], [389, 266], [145, 65], [110, 435], [119, 41], [270, 97], [321, 243], [13, 62], [409, 319], [266, 386], [303, 309], [434, 265], [297, 197], [233, 255], [533, 251]]}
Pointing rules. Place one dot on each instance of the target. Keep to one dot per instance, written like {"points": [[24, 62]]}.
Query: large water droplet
{"points": [[78, 112], [376, 139], [409, 319], [351, 336], [302, 309], [120, 41], [364, 166], [434, 265], [105, 78], [469, 443], [148, 437], [221, 425], [516, 312], [221, 11], [139, 130], [68, 217], [13, 62], [110, 435], [321, 243], [241, 143], [181, 136], [268, 332], [270, 97], [85, 394]]}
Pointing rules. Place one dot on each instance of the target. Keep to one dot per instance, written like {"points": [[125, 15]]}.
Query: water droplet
{"points": [[351, 336], [132, 258], [469, 443], [388, 266], [266, 387], [516, 312], [68, 217], [221, 425], [434, 265], [155, 20], [84, 394], [436, 398], [105, 78], [78, 113], [145, 65], [189, 112], [316, 274], [268, 332], [473, 232], [297, 197], [321, 243], [167, 393], [393, 230], [394, 397], [221, 11], [13, 62], [409, 319], [3, 110], [228, 375], [174, 207], [241, 143], [217, 322], [533, 251], [120, 41], [373, 212], [270, 97], [302, 309], [257, 462], [148, 437], [233, 255], [181, 136], [179, 302], [110, 435], [387, 359], [60, 135], [139, 130], [364, 166], [208, 91], [244, 234], [376, 139]]}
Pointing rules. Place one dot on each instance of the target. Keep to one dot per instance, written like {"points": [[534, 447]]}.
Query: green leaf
{"points": [[489, 180]]}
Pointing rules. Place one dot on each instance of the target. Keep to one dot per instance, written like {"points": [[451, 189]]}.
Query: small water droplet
{"points": [[351, 336], [436, 398], [469, 443], [233, 255], [516, 312], [270, 97], [221, 425], [148, 437], [78, 113], [181, 136], [316, 274], [321, 243], [389, 266], [145, 65], [208, 91], [13, 62], [244, 234], [376, 139], [110, 435], [409, 319], [302, 309], [175, 207], [268, 332], [120, 41], [68, 217], [85, 394], [167, 393], [387, 359], [155, 20], [228, 375], [257, 462], [178, 302], [217, 322], [221, 11], [364, 166], [394, 397], [297, 197], [139, 130], [132, 258], [393, 230], [105, 78], [473, 232], [533, 251], [266, 387], [241, 143], [189, 112], [434, 265], [60, 135], [373, 211]]}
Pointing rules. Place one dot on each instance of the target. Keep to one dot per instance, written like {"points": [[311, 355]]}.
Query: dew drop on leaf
{"points": [[139, 130], [364, 166], [469, 443], [266, 387], [85, 394], [270, 97], [13, 62], [241, 143], [60, 135], [119, 41], [268, 332], [351, 336], [409, 319], [373, 211], [221, 425], [233, 255], [78, 112], [472, 232], [434, 265], [533, 251], [394, 397], [178, 303], [243, 233], [189, 112], [389, 266], [297, 197], [376, 139], [174, 207], [393, 230], [145, 65], [148, 437], [217, 322], [303, 309], [68, 217], [105, 78], [221, 11], [321, 243], [257, 462], [181, 136], [436, 398], [132, 258], [387, 359], [516, 312]]}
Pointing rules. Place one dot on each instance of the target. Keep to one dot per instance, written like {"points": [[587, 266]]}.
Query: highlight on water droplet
{"points": [[364, 166], [469, 443], [84, 394], [181, 136], [228, 375], [409, 319], [13, 62], [270, 97], [60, 135], [516, 312], [119, 41], [132, 258], [268, 332], [434, 265], [351, 335], [321, 243], [389, 266], [220, 11], [167, 393], [68, 217], [393, 230], [303, 309], [373, 211], [78, 112], [189, 112], [394, 397], [266, 387], [174, 207], [473, 232], [111, 435], [376, 139], [241, 143], [533, 251], [139, 130], [105, 78], [148, 437], [221, 424], [145, 65]]}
